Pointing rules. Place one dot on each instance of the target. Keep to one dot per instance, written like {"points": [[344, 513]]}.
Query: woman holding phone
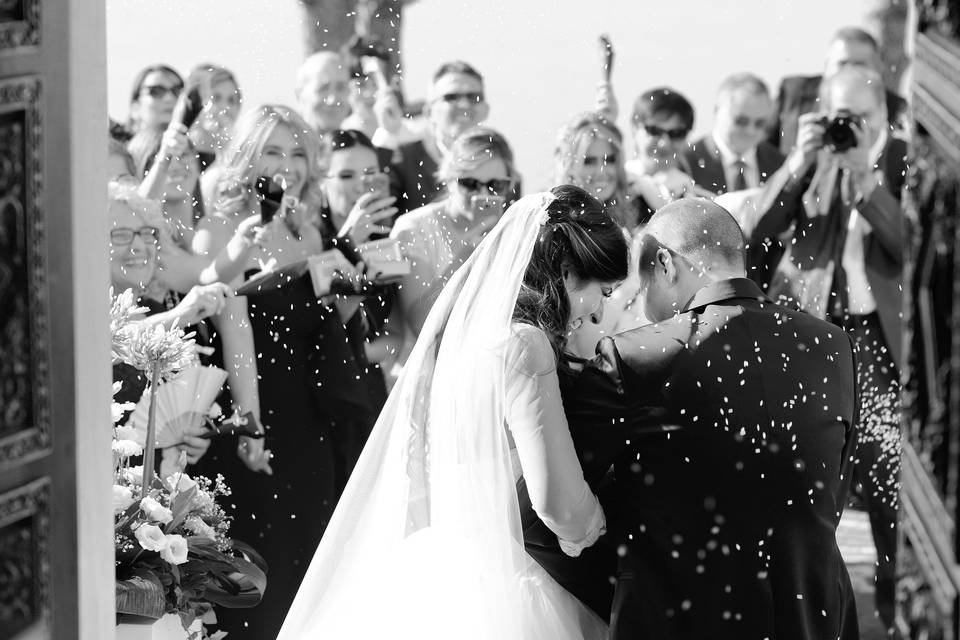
{"points": [[295, 336]]}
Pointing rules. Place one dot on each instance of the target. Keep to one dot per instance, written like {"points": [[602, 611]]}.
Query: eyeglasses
{"points": [[123, 236], [674, 134], [496, 186], [157, 91], [473, 97]]}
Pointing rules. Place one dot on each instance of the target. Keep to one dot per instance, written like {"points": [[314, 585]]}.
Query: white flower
{"points": [[127, 448], [117, 409], [133, 475], [180, 482], [117, 386], [203, 499], [196, 525], [150, 537], [175, 550], [156, 511], [122, 498]]}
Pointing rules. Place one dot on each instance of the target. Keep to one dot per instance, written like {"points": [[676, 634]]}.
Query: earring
{"points": [[575, 324]]}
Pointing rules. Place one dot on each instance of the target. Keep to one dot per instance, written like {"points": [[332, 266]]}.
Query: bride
{"points": [[426, 541]]}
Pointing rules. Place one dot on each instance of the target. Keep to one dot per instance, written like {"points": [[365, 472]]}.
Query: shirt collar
{"points": [[728, 157], [725, 290]]}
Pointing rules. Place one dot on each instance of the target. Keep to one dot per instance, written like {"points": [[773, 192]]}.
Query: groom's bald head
{"points": [[700, 231]]}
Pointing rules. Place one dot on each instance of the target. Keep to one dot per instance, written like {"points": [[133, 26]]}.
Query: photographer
{"points": [[839, 191]]}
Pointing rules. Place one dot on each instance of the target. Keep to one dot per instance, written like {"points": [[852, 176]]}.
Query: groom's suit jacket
{"points": [[727, 511]]}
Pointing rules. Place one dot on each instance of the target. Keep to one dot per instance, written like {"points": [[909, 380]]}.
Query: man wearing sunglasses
{"points": [[455, 103], [735, 155]]}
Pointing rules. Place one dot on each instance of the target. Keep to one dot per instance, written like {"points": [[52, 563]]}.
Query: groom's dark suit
{"points": [[728, 511]]}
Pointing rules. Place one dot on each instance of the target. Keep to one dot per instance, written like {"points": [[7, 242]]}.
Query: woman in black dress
{"points": [[308, 370]]}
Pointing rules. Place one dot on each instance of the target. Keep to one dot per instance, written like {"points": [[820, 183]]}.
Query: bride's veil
{"points": [[426, 539]]}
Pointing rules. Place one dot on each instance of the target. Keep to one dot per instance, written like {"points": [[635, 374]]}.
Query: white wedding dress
{"points": [[426, 541]]}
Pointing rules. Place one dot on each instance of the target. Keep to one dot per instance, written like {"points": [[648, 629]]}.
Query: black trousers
{"points": [[877, 464]]}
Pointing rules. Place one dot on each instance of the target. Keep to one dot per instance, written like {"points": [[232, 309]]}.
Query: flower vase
{"points": [[168, 627]]}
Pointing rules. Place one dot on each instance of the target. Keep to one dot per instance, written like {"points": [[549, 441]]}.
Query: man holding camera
{"points": [[835, 202]]}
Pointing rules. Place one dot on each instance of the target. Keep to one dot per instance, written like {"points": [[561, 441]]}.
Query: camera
{"points": [[839, 132]]}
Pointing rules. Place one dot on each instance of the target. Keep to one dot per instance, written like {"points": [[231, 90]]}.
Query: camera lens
{"points": [[839, 134]]}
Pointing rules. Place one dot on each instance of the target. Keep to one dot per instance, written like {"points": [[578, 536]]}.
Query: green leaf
{"points": [[181, 507], [141, 595]]}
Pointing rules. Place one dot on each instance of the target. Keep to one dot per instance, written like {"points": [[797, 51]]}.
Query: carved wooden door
{"points": [[55, 522], [928, 558]]}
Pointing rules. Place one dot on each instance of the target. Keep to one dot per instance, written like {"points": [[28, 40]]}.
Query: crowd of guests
{"points": [[309, 371]]}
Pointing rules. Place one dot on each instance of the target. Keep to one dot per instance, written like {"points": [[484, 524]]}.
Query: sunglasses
{"points": [[473, 97], [123, 236], [674, 134], [157, 91], [496, 186]]}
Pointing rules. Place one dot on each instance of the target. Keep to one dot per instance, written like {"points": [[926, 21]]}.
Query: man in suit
{"points": [[735, 156], [726, 513], [843, 262], [456, 103], [850, 46]]}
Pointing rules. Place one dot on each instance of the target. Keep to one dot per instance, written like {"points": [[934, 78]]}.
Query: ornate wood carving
{"points": [[24, 558], [19, 25], [24, 330], [928, 558]]}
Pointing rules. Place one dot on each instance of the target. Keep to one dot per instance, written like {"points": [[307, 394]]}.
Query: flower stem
{"points": [[150, 446]]}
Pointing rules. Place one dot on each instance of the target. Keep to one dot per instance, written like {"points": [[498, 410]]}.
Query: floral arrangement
{"points": [[173, 553]]}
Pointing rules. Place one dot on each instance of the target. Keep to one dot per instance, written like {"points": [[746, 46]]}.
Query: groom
{"points": [[726, 515]]}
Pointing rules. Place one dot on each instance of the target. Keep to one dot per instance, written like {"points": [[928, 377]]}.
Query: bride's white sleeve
{"points": [[534, 414]]}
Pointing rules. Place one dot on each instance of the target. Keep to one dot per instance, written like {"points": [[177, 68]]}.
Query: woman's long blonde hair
{"points": [[253, 129], [572, 143]]}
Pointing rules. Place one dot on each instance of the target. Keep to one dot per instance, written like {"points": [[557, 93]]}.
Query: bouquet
{"points": [[173, 552]]}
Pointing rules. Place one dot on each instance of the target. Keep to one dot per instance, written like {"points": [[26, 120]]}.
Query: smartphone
{"points": [[191, 109], [270, 195]]}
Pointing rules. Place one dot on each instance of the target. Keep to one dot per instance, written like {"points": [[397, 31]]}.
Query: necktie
{"points": [[739, 177]]}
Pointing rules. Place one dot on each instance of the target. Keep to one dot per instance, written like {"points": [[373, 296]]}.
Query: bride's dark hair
{"points": [[578, 235]]}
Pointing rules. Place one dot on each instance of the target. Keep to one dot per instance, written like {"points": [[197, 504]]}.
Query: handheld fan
{"points": [[182, 403]]}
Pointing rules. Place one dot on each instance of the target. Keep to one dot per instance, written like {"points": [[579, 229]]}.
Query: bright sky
{"points": [[540, 57]]}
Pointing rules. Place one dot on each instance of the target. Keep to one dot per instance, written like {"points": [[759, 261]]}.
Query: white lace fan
{"points": [[181, 403]]}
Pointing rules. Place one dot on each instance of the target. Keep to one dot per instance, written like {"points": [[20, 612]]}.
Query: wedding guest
{"points": [[661, 120], [849, 47], [222, 100], [357, 205], [297, 338], [136, 230], [843, 262], [323, 92], [153, 97], [589, 155], [455, 103], [735, 155], [179, 192], [437, 238]]}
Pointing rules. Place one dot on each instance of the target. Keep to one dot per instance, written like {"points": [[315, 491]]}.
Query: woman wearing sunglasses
{"points": [[153, 97], [436, 239]]}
